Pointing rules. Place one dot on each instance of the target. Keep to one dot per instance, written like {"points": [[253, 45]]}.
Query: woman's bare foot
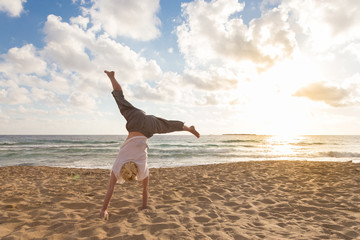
{"points": [[115, 84], [111, 74], [192, 130]]}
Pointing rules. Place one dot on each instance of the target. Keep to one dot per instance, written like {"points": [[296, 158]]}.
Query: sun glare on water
{"points": [[284, 145]]}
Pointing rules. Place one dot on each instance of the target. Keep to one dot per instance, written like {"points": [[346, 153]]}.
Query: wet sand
{"points": [[246, 200]]}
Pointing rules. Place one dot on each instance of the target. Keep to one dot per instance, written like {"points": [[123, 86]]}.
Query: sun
{"points": [[280, 115], [272, 105]]}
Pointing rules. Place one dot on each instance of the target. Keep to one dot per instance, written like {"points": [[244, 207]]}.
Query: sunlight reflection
{"points": [[284, 144]]}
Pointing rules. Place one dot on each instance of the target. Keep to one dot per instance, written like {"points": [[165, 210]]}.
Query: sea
{"points": [[97, 151]]}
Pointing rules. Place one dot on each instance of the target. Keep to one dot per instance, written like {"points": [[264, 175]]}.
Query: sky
{"points": [[225, 66]]}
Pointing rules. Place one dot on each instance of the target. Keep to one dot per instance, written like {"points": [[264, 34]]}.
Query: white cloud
{"points": [[82, 100], [12, 7], [134, 19], [23, 60], [221, 51], [354, 48], [22, 110], [45, 96], [55, 82], [74, 58], [66, 44], [145, 92], [80, 1], [214, 78], [81, 21], [59, 83], [326, 24], [336, 96], [165, 88], [3, 116], [213, 37], [169, 86], [72, 63], [269, 4], [210, 32], [3, 94], [73, 49], [14, 95], [208, 99]]}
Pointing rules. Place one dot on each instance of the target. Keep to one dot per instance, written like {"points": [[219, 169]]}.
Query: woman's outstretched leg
{"points": [[155, 124], [162, 125], [115, 84]]}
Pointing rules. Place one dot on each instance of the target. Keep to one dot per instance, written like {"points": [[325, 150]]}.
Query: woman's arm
{"points": [[145, 184], [104, 213]]}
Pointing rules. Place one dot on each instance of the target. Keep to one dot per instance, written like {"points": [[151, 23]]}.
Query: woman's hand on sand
{"points": [[104, 214]]}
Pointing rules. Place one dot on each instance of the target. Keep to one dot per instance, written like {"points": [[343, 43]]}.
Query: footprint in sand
{"points": [[233, 217], [204, 199], [215, 196], [267, 201], [161, 226], [79, 205], [213, 215], [202, 219]]}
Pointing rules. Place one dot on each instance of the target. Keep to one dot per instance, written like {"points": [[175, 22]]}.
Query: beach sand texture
{"points": [[246, 200]]}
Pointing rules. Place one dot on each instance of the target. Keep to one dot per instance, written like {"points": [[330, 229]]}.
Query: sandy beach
{"points": [[246, 200]]}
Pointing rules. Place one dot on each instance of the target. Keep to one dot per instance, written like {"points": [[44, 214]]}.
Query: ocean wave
{"points": [[58, 146], [247, 146], [7, 143], [169, 145], [8, 154], [192, 147], [334, 154], [26, 164], [98, 151], [53, 142], [307, 143], [239, 141], [83, 150]]}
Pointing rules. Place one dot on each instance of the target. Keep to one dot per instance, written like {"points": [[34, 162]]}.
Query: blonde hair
{"points": [[129, 171]]}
